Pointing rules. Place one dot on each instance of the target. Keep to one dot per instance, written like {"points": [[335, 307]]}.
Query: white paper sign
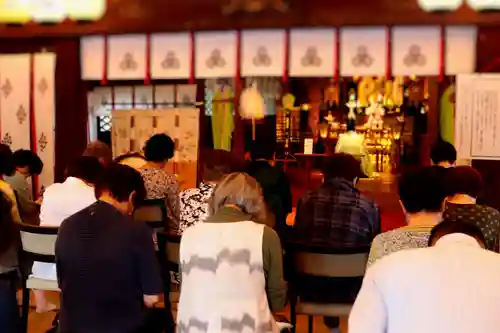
{"points": [[477, 117]]}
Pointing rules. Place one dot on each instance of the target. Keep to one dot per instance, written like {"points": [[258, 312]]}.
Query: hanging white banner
{"points": [[127, 57], [15, 101], [263, 53], [460, 50], [215, 54], [363, 51], [170, 56], [416, 51], [92, 57], [312, 52], [44, 112]]}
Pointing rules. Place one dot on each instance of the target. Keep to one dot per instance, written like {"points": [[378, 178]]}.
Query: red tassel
{"points": [[192, 59], [33, 136], [104, 80], [388, 73], [237, 75], [336, 52], [147, 79], [442, 54], [287, 56]]}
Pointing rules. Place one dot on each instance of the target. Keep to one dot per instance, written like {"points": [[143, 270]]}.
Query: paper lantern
{"points": [[252, 104], [484, 4]]}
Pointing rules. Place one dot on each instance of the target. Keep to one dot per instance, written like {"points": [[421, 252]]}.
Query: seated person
{"points": [[194, 201], [232, 245], [160, 184], [7, 169], [353, 144], [338, 216], [275, 186], [451, 286], [60, 201], [27, 164], [9, 248], [422, 193], [99, 150], [133, 160], [444, 154], [107, 268], [465, 184]]}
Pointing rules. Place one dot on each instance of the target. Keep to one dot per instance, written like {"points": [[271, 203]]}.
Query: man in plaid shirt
{"points": [[337, 216]]}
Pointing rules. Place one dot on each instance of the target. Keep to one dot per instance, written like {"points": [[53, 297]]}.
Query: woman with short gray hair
{"points": [[232, 270]]}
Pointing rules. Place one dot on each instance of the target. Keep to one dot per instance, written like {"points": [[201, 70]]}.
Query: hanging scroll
{"points": [[127, 57]]}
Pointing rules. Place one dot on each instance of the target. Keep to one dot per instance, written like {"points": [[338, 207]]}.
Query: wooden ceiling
{"points": [[143, 16]]}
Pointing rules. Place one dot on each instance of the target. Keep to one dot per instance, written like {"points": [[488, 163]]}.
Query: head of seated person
{"points": [[240, 192], [448, 227], [27, 163], [343, 167], [133, 160], [216, 165], [99, 150], [158, 150], [122, 187], [422, 193], [464, 184], [444, 154], [261, 151], [85, 168]]}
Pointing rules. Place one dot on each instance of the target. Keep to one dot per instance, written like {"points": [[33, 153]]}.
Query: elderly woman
{"points": [[232, 245], [159, 183]]}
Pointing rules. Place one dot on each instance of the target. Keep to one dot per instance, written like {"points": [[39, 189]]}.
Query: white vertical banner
{"points": [[44, 115], [15, 100], [215, 54], [143, 97], [164, 96], [416, 51], [170, 56], [363, 51], [460, 49], [263, 53], [127, 57], [123, 97], [92, 57], [312, 52]]}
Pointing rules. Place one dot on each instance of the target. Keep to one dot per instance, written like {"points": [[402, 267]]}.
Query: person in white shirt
{"points": [[60, 201], [451, 286]]}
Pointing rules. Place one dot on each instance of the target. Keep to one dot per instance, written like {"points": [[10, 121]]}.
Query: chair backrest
{"points": [[153, 213], [169, 247], [325, 262], [38, 243]]}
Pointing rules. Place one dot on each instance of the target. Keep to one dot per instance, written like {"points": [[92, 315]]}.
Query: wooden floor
{"points": [[40, 323]]}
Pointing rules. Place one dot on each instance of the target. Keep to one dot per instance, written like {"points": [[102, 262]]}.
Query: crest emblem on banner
{"points": [[414, 57], [7, 139], [362, 57], [171, 61], [262, 58], [311, 57], [7, 88], [216, 59], [21, 114]]}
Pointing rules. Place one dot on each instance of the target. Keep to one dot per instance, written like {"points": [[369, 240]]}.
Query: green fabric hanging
{"points": [[447, 115], [222, 119]]}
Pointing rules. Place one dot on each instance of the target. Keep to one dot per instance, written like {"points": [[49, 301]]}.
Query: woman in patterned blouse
{"points": [[159, 183], [422, 194], [194, 201], [465, 186]]}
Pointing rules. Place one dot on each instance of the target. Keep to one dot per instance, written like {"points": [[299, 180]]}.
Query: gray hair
{"points": [[242, 191]]}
